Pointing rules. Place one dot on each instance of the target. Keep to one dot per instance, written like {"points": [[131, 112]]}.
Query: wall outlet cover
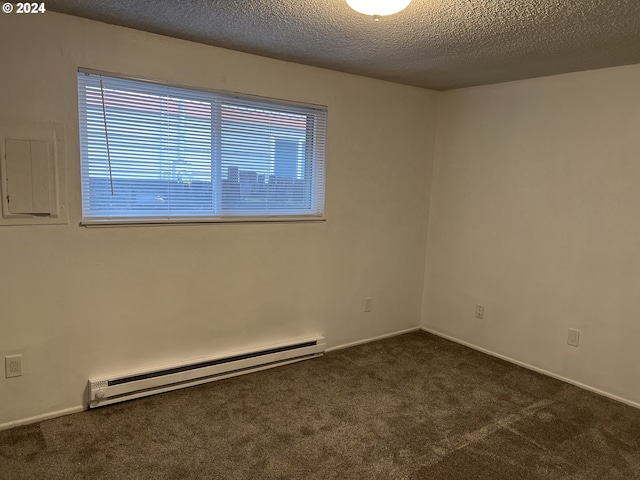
{"points": [[13, 366], [573, 337], [367, 304]]}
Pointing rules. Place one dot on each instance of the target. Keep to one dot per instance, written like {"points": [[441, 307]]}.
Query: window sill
{"points": [[200, 221]]}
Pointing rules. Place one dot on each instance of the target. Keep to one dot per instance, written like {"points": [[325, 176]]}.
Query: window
{"points": [[157, 153]]}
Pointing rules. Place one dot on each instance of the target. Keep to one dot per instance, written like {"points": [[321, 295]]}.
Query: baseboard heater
{"points": [[118, 388]]}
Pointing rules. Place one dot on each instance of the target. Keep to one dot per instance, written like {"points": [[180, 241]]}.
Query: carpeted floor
{"points": [[410, 407]]}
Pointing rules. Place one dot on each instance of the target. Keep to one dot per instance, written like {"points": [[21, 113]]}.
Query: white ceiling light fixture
{"points": [[378, 8]]}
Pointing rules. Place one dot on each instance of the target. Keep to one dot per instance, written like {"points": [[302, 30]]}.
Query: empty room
{"points": [[320, 239]]}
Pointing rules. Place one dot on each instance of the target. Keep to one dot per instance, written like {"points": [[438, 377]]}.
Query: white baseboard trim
{"points": [[535, 369], [373, 339], [39, 418]]}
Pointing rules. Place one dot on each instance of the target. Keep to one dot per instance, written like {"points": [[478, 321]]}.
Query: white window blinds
{"points": [[159, 153]]}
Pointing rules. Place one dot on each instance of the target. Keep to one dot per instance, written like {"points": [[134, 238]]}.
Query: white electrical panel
{"points": [[33, 179], [28, 177]]}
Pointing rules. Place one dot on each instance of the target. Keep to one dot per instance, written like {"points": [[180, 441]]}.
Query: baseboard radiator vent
{"points": [[118, 388]]}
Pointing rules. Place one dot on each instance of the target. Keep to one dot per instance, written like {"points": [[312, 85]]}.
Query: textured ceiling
{"points": [[438, 44]]}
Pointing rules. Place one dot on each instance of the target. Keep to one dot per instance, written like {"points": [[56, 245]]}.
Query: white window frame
{"points": [[313, 183]]}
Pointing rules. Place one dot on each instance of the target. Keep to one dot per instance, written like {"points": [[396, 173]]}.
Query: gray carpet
{"points": [[410, 407]]}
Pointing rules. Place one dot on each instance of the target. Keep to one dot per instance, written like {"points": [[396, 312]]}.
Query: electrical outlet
{"points": [[480, 312], [573, 337], [13, 366], [367, 304]]}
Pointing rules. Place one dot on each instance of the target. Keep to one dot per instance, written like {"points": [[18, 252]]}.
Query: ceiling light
{"points": [[378, 8]]}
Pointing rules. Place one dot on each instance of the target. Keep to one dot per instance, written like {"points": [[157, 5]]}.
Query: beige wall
{"points": [[80, 302], [535, 213]]}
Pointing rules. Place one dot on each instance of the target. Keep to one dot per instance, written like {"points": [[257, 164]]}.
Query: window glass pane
{"points": [[263, 160], [159, 154]]}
